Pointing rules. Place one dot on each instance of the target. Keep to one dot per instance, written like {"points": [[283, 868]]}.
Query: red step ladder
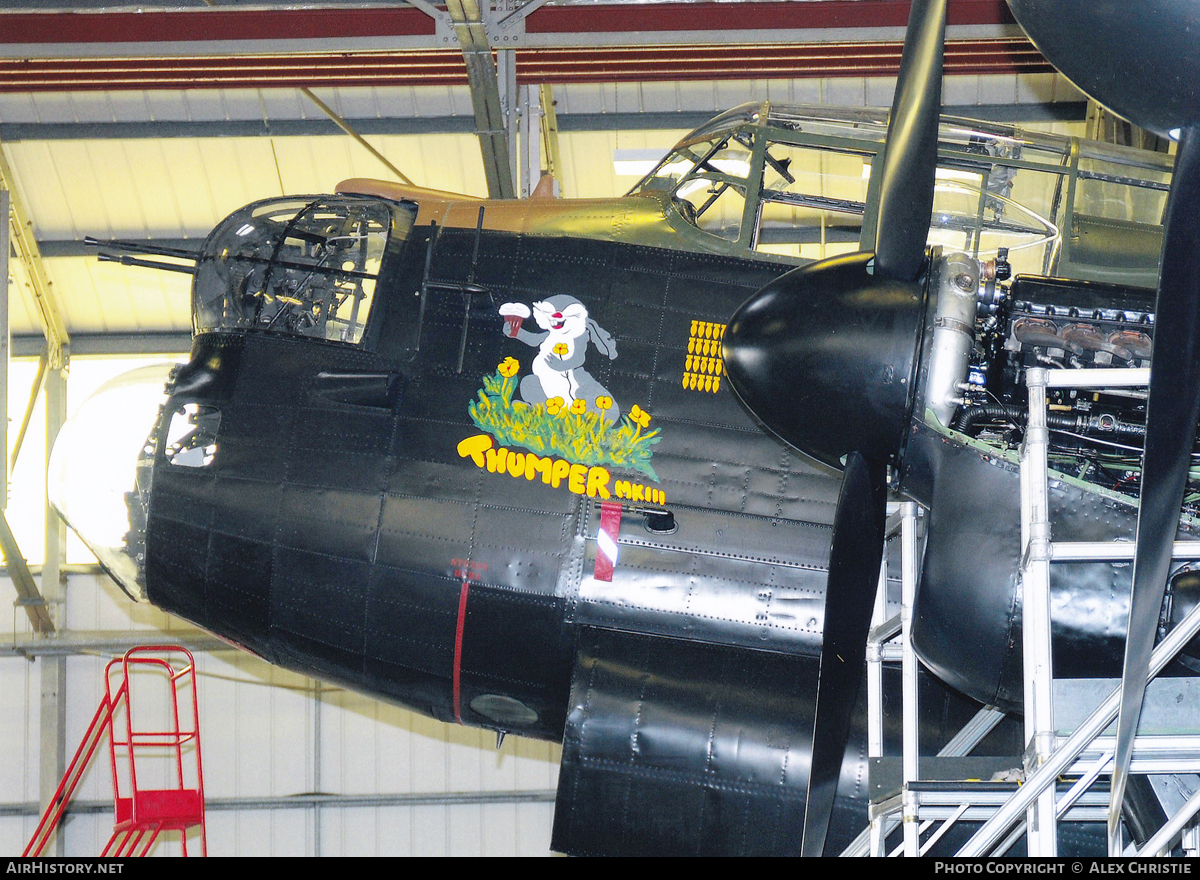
{"points": [[141, 814]]}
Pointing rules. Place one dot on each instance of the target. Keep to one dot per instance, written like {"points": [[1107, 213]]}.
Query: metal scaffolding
{"points": [[1032, 810]]}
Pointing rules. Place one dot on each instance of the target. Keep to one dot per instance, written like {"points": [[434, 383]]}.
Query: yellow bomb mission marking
{"points": [[594, 482]]}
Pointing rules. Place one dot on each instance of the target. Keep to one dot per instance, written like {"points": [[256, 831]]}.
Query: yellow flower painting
{"points": [[564, 428]]}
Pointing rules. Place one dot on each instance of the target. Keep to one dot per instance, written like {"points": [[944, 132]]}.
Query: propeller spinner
{"points": [[851, 326]]}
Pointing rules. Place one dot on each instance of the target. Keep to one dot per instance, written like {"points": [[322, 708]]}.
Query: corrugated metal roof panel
{"points": [[107, 297], [180, 188], [439, 101], [221, 104]]}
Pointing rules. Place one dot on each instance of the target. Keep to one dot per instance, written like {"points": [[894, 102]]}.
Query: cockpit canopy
{"points": [[795, 182], [304, 265]]}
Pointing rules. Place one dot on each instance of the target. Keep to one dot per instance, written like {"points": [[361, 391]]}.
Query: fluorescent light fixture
{"points": [[635, 163], [639, 163], [972, 177]]}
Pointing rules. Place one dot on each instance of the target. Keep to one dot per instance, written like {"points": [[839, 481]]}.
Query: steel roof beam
{"points": [[21, 239], [39, 382], [16, 132], [5, 339], [28, 595], [89, 5], [490, 122], [550, 127], [309, 801], [739, 58], [44, 296], [113, 642], [358, 138], [238, 31], [166, 342]]}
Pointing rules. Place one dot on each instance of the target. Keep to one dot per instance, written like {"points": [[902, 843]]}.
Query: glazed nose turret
{"points": [[825, 357], [100, 469]]}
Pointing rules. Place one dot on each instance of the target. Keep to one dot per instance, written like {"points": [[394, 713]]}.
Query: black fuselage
{"points": [[340, 531], [379, 515]]}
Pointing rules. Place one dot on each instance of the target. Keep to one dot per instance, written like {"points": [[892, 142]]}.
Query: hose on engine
{"points": [[1105, 425]]}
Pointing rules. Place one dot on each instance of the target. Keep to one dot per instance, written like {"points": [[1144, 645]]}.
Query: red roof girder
{"points": [[534, 66]]}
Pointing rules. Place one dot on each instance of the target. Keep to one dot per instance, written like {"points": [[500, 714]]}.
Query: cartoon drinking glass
{"points": [[514, 315]]}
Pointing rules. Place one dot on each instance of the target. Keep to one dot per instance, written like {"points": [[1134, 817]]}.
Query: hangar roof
{"points": [[154, 122]]}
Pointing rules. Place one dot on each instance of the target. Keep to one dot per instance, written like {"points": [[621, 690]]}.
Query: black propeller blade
{"points": [[910, 164], [1171, 413], [1139, 60], [854, 561], [851, 326]]}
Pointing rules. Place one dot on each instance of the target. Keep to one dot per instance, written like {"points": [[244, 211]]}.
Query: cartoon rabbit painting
{"points": [[562, 346]]}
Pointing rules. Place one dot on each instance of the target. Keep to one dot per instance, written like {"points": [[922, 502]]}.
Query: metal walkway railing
{"points": [[1008, 812]]}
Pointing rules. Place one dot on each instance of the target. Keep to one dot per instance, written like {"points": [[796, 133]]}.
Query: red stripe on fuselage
{"points": [[610, 524], [458, 642]]}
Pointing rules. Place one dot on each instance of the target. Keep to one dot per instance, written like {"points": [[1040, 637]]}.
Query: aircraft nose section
{"points": [[100, 468], [825, 356]]}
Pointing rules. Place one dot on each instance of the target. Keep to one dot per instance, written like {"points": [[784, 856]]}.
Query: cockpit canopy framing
{"points": [[305, 266], [794, 182]]}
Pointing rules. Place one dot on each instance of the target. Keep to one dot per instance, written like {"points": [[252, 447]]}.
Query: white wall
{"points": [[259, 739]]}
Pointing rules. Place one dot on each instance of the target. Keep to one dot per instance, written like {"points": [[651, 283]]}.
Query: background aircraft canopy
{"points": [[794, 181]]}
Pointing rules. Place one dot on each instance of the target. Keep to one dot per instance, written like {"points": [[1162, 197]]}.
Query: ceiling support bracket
{"points": [[44, 296], [345, 126], [28, 595]]}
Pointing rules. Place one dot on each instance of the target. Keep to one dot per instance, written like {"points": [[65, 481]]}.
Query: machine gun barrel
{"points": [[141, 247], [126, 260]]}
